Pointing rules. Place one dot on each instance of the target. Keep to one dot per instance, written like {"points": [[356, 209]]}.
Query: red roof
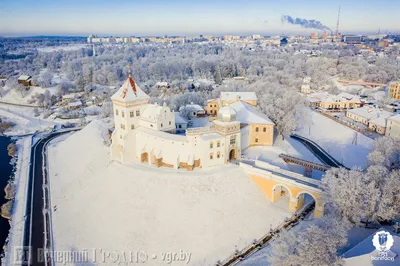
{"points": [[132, 82]]}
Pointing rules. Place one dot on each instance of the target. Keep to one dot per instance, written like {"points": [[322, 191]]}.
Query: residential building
{"points": [[25, 80], [394, 90], [212, 107], [255, 127], [341, 101], [372, 117], [393, 126], [195, 110]]}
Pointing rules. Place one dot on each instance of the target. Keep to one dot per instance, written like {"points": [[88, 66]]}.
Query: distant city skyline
{"points": [[188, 18]]}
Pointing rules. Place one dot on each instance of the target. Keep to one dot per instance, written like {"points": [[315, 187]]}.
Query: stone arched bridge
{"points": [[276, 182]]}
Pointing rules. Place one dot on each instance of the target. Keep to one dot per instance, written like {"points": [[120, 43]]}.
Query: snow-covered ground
{"points": [[23, 119], [346, 145], [288, 146], [122, 208]]}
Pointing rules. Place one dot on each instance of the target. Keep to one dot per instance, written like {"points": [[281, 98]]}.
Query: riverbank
{"points": [[6, 172], [15, 236]]}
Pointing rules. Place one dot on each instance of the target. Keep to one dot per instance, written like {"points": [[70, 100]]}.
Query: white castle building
{"points": [[146, 132]]}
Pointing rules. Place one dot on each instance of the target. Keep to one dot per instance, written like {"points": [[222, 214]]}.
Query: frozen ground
{"points": [[346, 145], [289, 146], [103, 204]]}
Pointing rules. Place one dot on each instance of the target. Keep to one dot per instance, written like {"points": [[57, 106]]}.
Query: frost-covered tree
{"points": [[316, 245], [284, 106], [2, 91], [372, 194]]}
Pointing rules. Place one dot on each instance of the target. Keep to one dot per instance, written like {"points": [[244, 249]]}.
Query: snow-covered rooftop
{"points": [[179, 119], [376, 115], [395, 118], [162, 134], [151, 111], [233, 95], [129, 91], [24, 77], [248, 114], [195, 107], [341, 97]]}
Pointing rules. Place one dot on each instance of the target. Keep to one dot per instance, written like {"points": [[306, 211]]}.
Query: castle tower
{"points": [[227, 126], [128, 103]]}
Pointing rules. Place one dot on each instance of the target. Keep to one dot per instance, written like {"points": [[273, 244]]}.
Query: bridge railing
{"points": [[277, 171], [319, 148], [283, 156]]}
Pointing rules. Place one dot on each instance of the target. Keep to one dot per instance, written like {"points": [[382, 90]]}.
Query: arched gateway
{"points": [[276, 182]]}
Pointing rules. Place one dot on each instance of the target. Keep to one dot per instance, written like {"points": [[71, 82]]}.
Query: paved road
{"points": [[319, 152], [34, 224]]}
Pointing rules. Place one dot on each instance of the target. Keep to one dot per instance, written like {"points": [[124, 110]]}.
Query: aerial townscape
{"points": [[220, 133]]}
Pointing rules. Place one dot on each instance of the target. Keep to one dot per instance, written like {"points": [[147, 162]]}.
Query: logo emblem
{"points": [[382, 241]]}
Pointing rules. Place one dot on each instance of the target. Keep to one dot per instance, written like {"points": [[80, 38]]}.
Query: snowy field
{"points": [[122, 208], [343, 143]]}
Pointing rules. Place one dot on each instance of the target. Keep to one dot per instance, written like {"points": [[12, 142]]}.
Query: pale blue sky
{"points": [[190, 17]]}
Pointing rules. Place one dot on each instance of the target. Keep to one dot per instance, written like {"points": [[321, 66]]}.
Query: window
{"points": [[256, 129], [122, 126], [169, 122], [264, 129], [211, 145], [218, 155], [218, 143], [137, 113], [233, 140], [161, 124], [123, 114], [151, 125], [211, 156], [132, 126], [180, 126], [256, 140], [132, 114], [116, 111], [215, 105]]}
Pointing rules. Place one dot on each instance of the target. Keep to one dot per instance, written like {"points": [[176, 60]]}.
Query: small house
{"points": [[25, 80]]}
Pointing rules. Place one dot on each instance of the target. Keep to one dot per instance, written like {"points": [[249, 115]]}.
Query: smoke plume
{"points": [[305, 23]]}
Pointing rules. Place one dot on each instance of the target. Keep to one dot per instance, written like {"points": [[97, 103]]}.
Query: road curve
{"points": [[318, 151], [34, 233]]}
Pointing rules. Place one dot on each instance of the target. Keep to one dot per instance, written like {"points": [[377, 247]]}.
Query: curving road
{"points": [[319, 152], [34, 232]]}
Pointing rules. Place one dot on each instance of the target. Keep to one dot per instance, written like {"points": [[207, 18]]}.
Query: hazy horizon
{"points": [[181, 18]]}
